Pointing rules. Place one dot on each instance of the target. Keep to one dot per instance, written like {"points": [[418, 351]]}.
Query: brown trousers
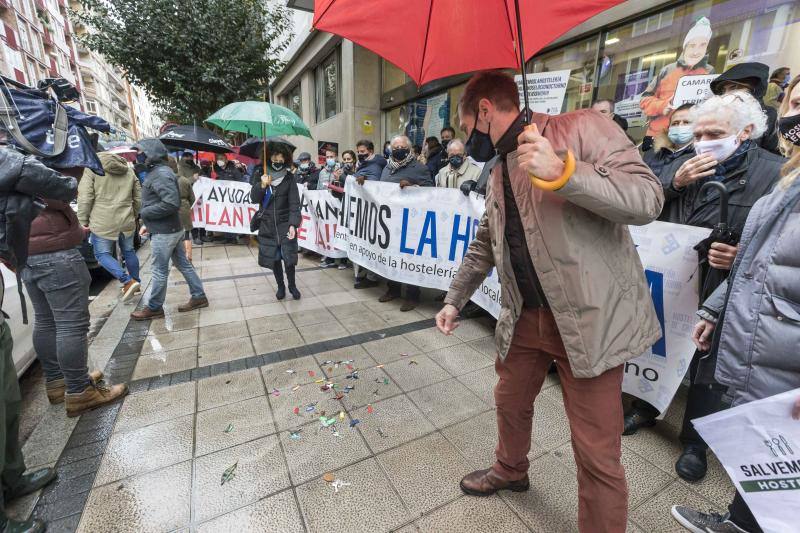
{"points": [[595, 418]]}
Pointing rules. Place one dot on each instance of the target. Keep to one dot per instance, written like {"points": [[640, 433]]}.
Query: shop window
{"points": [[641, 62], [392, 77], [574, 65], [328, 81], [294, 100], [425, 117]]}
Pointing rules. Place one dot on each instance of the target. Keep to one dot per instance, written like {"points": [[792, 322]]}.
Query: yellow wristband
{"points": [[569, 169]]}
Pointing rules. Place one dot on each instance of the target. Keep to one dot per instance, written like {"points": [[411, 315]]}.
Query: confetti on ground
{"points": [[328, 362], [348, 388], [325, 387], [413, 362], [354, 422], [311, 373], [327, 422], [290, 372], [341, 415], [310, 408], [329, 477], [369, 409], [229, 473], [382, 433], [338, 396], [379, 366], [338, 484], [349, 367], [295, 435], [297, 410], [319, 381], [228, 429], [295, 388], [330, 369], [375, 392], [276, 392], [403, 355]]}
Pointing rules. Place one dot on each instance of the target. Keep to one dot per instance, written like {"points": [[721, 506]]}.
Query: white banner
{"points": [[419, 236], [546, 91], [320, 211], [222, 206], [758, 443]]}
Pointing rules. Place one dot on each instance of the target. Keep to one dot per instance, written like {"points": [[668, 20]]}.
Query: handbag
{"points": [[255, 221]]}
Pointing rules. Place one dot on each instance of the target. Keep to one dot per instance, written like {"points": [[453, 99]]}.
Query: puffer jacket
{"points": [[55, 229], [755, 345], [110, 204], [281, 212], [579, 244], [161, 199]]}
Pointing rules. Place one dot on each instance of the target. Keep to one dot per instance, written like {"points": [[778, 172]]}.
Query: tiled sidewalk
{"points": [[237, 388]]}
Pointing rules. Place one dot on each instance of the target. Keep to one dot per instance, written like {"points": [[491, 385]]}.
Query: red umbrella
{"points": [[432, 39]]}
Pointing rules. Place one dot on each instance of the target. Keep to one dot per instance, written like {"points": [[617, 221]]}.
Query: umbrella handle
{"points": [[723, 198], [569, 169]]}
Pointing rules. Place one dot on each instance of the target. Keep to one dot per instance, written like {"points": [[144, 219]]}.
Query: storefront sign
{"points": [[758, 443], [546, 91], [692, 90]]}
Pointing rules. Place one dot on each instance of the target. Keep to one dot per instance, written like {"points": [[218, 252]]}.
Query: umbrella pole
{"points": [[263, 150], [521, 50]]}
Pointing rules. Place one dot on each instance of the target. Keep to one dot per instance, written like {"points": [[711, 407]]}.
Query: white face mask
{"points": [[720, 149]]}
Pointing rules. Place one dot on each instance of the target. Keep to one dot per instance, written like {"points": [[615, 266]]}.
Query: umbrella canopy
{"points": [[433, 39], [260, 119], [252, 147], [195, 138]]}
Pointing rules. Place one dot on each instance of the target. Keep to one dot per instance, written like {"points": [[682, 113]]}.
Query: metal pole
{"points": [[521, 51]]}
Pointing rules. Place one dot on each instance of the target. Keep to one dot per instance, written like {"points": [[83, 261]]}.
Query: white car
{"points": [[21, 333]]}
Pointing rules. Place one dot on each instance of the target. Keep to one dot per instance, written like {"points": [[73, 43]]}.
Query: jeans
{"points": [[103, 249], [12, 464], [163, 247], [58, 286]]}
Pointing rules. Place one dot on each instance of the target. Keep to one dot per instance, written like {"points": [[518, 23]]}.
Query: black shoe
{"points": [[31, 482], [365, 283], [206, 238], [21, 526], [692, 464], [636, 419], [197, 242], [294, 292], [281, 293]]}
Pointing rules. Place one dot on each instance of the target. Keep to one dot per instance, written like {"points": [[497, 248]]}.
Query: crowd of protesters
{"points": [[746, 137]]}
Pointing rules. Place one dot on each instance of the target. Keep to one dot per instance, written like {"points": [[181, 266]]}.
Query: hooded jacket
{"points": [[160, 196], [110, 204], [308, 177], [758, 72]]}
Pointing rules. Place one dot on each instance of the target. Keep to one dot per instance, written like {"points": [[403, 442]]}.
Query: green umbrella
{"points": [[260, 119]]}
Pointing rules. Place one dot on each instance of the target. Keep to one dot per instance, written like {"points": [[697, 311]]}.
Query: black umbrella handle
{"points": [[723, 199]]}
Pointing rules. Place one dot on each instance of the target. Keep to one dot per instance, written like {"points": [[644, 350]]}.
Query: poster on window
{"points": [[692, 90], [546, 91]]}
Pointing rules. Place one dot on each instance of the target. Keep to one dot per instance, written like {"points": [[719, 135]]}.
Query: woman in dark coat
{"points": [[279, 199]]}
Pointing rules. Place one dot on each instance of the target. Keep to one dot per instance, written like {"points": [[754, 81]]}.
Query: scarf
{"points": [[277, 179], [394, 166]]}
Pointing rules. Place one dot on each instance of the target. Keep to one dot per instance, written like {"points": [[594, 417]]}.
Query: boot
{"points": [[388, 296], [487, 482], [635, 419], [147, 314], [693, 463], [58, 387], [291, 282], [92, 397], [192, 304], [29, 483], [33, 525], [408, 305], [277, 270]]}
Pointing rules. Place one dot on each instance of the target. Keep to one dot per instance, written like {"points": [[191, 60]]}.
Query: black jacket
{"points": [[753, 178], [281, 212], [371, 169], [309, 177], [161, 199], [229, 173], [415, 172], [658, 158], [436, 160]]}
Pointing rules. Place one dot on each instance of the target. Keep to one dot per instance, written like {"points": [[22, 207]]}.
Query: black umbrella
{"points": [[195, 138], [252, 146]]}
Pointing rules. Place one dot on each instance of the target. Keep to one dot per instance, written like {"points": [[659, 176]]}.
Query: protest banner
{"points": [[546, 91], [222, 206], [419, 235], [758, 444], [692, 90], [320, 214]]}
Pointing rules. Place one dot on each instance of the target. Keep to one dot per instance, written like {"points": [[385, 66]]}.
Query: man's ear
{"points": [[485, 107], [747, 133]]}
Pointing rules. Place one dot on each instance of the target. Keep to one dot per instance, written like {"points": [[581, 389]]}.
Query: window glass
{"points": [[294, 100], [393, 77], [425, 117], [642, 62], [579, 59], [327, 87]]}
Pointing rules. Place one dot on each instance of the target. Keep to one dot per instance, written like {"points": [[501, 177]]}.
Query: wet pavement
{"points": [[331, 413]]}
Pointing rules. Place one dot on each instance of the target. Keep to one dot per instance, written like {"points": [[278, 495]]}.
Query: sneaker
{"points": [[147, 314], [698, 522], [58, 387], [32, 525], [197, 242], [342, 266], [192, 304], [325, 264], [92, 397], [129, 289]]}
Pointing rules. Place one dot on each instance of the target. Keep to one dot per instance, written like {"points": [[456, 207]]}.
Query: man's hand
{"points": [[361, 179], [701, 335], [337, 173], [536, 155], [796, 409], [447, 319], [143, 231], [292, 233], [721, 255], [86, 230], [693, 169], [405, 183]]}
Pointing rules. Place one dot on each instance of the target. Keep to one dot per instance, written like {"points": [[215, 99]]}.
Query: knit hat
{"points": [[701, 28]]}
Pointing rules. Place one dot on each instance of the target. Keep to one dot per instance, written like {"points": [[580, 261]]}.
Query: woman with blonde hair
{"points": [[751, 323]]}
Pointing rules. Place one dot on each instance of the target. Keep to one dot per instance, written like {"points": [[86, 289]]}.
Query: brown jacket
{"points": [[579, 243], [55, 229]]}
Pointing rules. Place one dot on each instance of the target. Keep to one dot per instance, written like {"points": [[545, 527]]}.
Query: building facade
{"points": [[38, 41], [344, 92]]}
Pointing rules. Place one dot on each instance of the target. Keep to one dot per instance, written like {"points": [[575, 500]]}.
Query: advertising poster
{"points": [[546, 91]]}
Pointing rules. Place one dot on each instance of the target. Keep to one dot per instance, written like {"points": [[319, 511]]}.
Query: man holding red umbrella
{"points": [[557, 209]]}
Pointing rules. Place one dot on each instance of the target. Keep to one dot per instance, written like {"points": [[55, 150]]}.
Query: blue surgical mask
{"points": [[330, 162], [680, 135], [305, 166]]}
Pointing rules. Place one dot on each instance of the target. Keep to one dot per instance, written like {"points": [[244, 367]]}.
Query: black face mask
{"points": [[362, 157], [348, 167], [141, 157], [399, 154], [456, 161], [277, 167], [479, 146], [789, 128]]}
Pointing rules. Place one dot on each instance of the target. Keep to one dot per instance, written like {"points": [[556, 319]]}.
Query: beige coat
{"points": [[110, 204], [449, 177], [579, 244]]}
